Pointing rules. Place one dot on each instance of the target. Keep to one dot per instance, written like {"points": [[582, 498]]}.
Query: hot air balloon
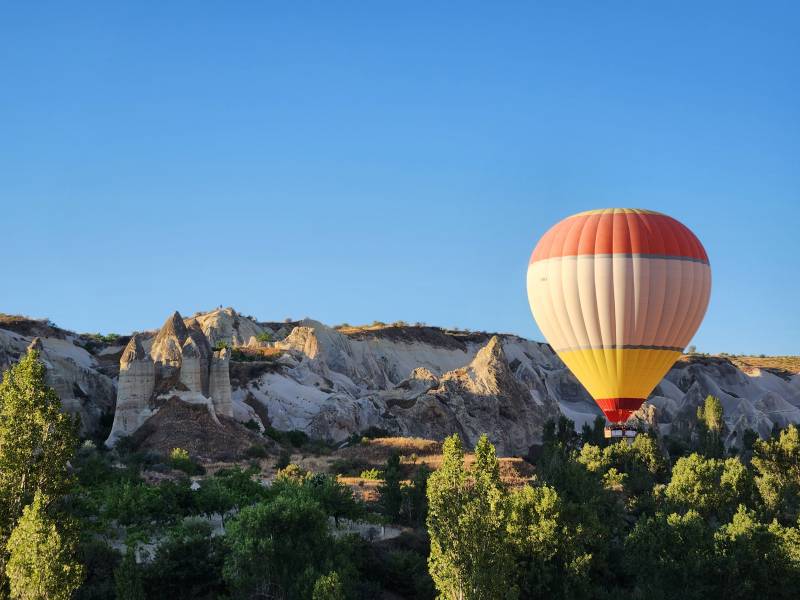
{"points": [[619, 293]]}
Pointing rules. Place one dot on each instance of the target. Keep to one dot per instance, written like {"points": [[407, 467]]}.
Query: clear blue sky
{"points": [[363, 161]]}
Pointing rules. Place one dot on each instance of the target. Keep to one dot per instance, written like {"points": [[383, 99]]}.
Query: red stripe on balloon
{"points": [[617, 410]]}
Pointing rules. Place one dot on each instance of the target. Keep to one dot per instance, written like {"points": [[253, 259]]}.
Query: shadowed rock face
{"points": [[484, 397]]}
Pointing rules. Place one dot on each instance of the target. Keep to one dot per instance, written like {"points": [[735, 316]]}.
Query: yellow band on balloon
{"points": [[619, 372]]}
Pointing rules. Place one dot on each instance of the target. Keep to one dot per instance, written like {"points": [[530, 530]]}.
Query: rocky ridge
{"points": [[331, 383]]}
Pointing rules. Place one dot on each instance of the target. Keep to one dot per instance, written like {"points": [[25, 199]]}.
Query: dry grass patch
{"points": [[784, 366], [379, 450], [414, 453], [365, 490]]}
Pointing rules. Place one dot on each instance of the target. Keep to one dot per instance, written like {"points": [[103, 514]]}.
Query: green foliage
{"points": [[371, 474], [749, 439], [278, 547], [37, 440], [777, 464], [560, 431], [755, 560], [467, 514], [128, 580], [328, 587], [145, 508], [99, 561], [670, 556], [179, 459], [221, 345], [228, 490], [335, 498], [295, 437], [711, 427], [351, 467], [253, 426], [594, 433], [711, 414], [283, 461], [256, 451], [632, 468], [391, 493], [41, 563], [187, 564], [414, 509], [712, 487], [264, 337], [551, 560]]}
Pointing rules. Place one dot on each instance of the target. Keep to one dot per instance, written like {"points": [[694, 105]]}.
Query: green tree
{"points": [[591, 510], [594, 433], [37, 441], [335, 498], [41, 563], [487, 469], [777, 464], [754, 560], [391, 492], [712, 487], [415, 497], [279, 547], [634, 468], [328, 587], [671, 557], [467, 516], [749, 439], [711, 426], [128, 581], [550, 560], [561, 431], [99, 561], [187, 564]]}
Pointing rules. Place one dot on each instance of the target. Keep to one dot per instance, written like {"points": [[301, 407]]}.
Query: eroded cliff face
{"points": [[420, 381], [72, 371]]}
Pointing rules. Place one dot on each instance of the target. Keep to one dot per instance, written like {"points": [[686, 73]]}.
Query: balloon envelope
{"points": [[619, 293]]}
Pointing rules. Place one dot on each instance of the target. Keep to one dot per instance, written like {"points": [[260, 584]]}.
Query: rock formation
{"points": [[194, 367], [137, 379], [179, 365], [225, 325], [332, 383], [167, 346], [220, 383]]}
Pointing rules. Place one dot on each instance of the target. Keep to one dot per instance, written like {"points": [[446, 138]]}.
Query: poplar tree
{"points": [[37, 440], [41, 563], [470, 558]]}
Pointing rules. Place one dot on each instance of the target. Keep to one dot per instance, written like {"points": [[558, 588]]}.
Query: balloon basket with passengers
{"points": [[618, 293]]}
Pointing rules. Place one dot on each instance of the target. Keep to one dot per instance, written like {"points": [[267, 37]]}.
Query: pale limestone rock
{"points": [[194, 369], [220, 383], [137, 377], [227, 326], [70, 371], [167, 346]]}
